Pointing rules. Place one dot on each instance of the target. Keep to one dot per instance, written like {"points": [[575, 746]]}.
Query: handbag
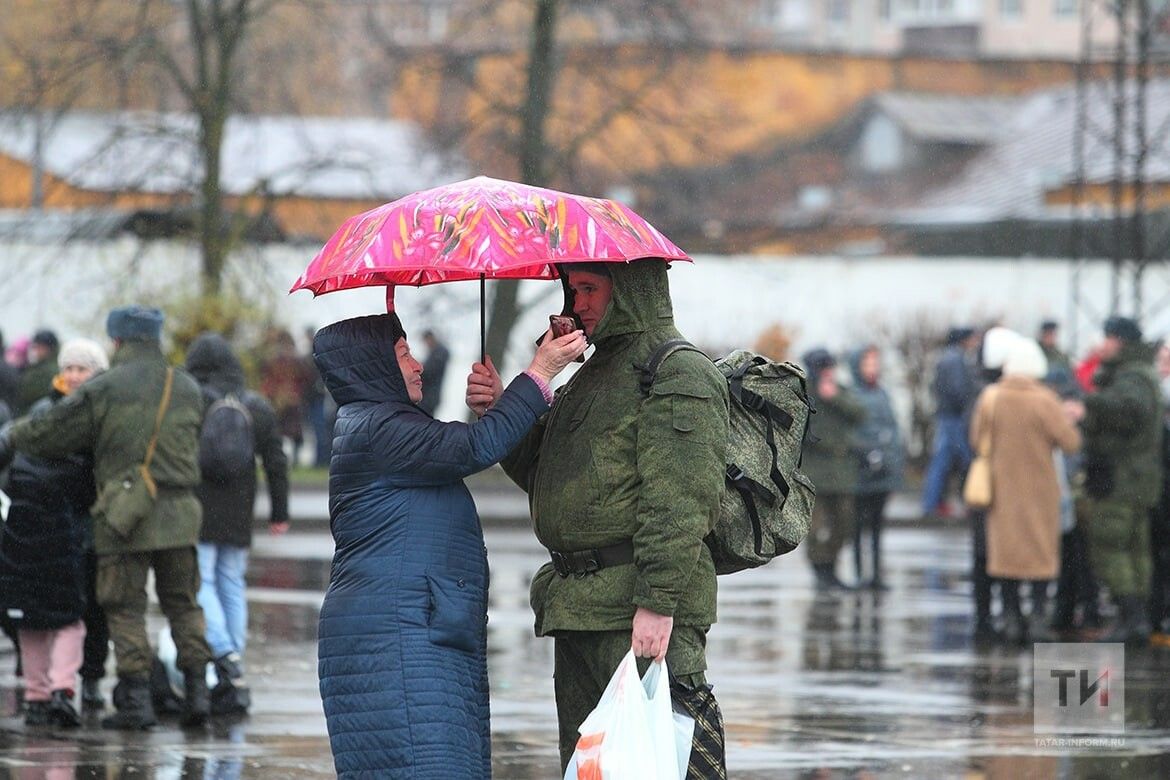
{"points": [[977, 487], [128, 499]]}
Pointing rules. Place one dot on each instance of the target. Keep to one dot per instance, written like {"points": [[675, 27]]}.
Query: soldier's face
{"points": [[1110, 347], [591, 296]]}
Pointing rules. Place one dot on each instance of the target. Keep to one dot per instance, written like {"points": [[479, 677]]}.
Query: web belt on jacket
{"points": [[582, 562]]}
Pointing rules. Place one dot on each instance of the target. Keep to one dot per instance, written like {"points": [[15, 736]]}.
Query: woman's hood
{"points": [[357, 361], [213, 364]]}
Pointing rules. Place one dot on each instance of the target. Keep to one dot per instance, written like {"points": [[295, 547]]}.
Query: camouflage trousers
{"points": [[1118, 535], [585, 660], [831, 526], [121, 591]]}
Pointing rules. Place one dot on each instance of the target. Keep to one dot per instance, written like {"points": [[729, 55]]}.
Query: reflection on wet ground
{"points": [[850, 685]]}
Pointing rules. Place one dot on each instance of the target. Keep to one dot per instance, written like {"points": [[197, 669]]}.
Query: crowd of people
{"points": [[1075, 540], [1078, 480], [1075, 452], [80, 430]]}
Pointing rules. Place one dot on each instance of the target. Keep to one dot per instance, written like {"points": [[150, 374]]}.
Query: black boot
{"points": [[1137, 624], [1015, 628], [91, 694], [36, 713], [826, 578], [135, 712], [62, 712], [231, 694], [1130, 625], [196, 703]]}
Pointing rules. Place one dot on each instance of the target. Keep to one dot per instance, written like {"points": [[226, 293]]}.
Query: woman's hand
{"points": [[554, 354], [483, 387]]}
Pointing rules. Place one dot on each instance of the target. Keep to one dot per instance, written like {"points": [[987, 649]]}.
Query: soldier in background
{"points": [[830, 462]]}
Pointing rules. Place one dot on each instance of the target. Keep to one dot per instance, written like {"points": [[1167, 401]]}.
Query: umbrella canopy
{"points": [[480, 228]]}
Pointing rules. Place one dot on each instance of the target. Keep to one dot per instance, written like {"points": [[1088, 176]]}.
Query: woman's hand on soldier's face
{"points": [[484, 387], [554, 354]]}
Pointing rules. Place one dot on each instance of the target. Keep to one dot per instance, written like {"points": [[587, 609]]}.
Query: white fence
{"points": [[719, 302]]}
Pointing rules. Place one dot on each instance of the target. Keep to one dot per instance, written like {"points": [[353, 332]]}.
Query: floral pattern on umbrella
{"points": [[480, 227]]}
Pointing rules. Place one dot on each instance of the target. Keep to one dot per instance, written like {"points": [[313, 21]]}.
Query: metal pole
{"points": [[1077, 228], [1116, 186], [482, 319], [1141, 152]]}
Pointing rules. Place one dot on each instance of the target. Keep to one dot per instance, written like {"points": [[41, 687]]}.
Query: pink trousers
{"points": [[50, 659]]}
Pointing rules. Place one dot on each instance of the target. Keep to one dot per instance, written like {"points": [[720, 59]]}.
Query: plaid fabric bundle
{"points": [[707, 746]]}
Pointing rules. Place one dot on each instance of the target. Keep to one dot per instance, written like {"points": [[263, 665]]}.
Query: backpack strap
{"points": [[749, 490], [649, 369]]}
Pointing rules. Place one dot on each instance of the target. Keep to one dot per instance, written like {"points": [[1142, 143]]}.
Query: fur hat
{"points": [[958, 334], [134, 323], [46, 338], [85, 353], [1123, 328], [1025, 358], [818, 360]]}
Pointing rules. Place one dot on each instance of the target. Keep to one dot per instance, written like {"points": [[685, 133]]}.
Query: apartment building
{"points": [[1010, 29]]}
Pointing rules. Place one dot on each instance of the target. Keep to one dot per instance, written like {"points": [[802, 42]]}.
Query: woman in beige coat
{"points": [[1026, 422]]}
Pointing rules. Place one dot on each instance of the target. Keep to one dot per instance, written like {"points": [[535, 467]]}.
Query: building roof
{"points": [[1011, 177], [152, 152], [960, 119]]}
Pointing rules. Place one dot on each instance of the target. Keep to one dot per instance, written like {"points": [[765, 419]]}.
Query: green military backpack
{"points": [[767, 501]]}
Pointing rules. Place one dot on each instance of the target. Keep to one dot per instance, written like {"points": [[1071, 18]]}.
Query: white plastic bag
{"points": [[632, 733]]}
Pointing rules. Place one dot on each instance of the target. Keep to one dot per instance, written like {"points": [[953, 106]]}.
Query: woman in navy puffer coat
{"points": [[401, 648]]}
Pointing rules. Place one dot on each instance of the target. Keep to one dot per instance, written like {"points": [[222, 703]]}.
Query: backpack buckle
{"points": [[734, 473]]}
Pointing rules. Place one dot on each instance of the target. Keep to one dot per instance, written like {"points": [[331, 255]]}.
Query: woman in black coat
{"points": [[42, 556]]}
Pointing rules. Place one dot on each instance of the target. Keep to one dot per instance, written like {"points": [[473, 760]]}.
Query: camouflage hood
{"points": [[640, 302]]}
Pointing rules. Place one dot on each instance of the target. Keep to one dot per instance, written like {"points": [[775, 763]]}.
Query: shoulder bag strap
{"points": [[985, 439], [162, 410]]}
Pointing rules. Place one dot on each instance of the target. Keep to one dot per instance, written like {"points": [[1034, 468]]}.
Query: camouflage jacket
{"points": [[1123, 425], [831, 456], [112, 416], [608, 464]]}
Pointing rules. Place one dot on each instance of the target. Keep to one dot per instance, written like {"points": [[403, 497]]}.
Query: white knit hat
{"points": [[997, 344], [1025, 358], [83, 353]]}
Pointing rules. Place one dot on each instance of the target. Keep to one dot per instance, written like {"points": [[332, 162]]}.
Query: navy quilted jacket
{"points": [[401, 646]]}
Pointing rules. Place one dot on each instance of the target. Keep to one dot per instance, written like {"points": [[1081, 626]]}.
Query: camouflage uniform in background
{"points": [[113, 415], [1122, 481], [1123, 439], [830, 461], [609, 465]]}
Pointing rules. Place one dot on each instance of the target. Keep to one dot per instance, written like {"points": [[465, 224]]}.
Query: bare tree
{"points": [[202, 67], [554, 116], [55, 55]]}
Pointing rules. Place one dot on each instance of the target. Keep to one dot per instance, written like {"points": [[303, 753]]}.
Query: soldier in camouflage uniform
{"points": [[623, 486], [830, 461], [1123, 439], [113, 415]]}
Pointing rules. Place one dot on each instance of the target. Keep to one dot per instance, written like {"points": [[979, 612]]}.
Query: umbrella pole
{"points": [[482, 319]]}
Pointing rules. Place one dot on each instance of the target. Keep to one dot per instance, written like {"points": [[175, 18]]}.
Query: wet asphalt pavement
{"points": [[851, 685]]}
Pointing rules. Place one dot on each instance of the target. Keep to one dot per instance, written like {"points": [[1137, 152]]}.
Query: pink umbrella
{"points": [[478, 229]]}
